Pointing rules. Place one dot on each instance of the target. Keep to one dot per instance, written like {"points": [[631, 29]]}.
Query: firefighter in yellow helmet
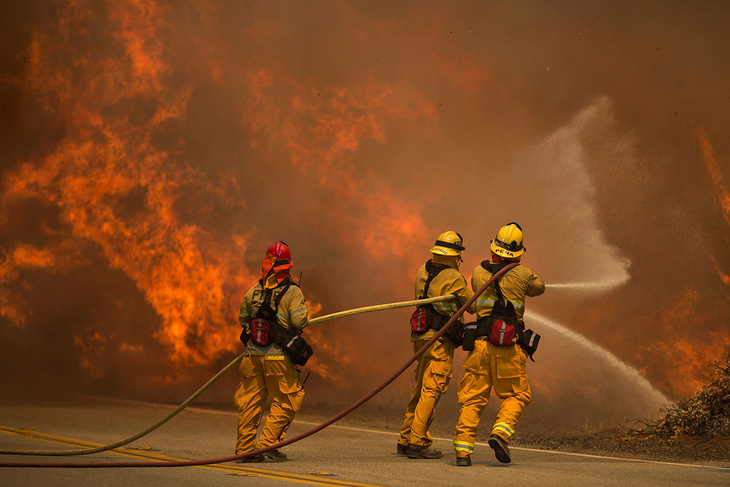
{"points": [[266, 368], [495, 362], [437, 277]]}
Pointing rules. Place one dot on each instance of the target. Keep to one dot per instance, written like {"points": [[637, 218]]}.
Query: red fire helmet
{"points": [[279, 250]]}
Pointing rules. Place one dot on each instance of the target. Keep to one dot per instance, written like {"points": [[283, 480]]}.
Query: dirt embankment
{"points": [[694, 430], [617, 442]]}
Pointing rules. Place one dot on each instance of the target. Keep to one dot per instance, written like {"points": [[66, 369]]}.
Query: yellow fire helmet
{"points": [[508, 242], [448, 243]]}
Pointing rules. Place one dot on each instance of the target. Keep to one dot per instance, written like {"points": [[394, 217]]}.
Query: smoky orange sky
{"points": [[151, 151]]}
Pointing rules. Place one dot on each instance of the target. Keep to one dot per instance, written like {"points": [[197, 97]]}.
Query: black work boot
{"points": [[463, 461], [258, 458], [276, 455], [402, 449], [418, 451], [501, 450]]}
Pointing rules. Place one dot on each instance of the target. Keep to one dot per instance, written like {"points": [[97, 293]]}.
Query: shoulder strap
{"points": [[264, 307], [281, 294], [266, 298], [266, 301], [493, 268], [432, 271]]}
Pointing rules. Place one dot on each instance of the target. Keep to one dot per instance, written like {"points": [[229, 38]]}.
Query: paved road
{"points": [[338, 455]]}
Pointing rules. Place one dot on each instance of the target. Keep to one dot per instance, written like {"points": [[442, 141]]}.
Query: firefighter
{"points": [[438, 277], [266, 369], [499, 367]]}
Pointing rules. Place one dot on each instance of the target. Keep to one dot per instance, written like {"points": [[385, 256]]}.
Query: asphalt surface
{"points": [[338, 455]]}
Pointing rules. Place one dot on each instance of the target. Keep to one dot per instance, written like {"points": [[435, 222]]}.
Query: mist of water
{"points": [[629, 372], [428, 128], [595, 286]]}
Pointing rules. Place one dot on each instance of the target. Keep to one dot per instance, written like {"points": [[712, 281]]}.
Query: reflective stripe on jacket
{"points": [[517, 283]]}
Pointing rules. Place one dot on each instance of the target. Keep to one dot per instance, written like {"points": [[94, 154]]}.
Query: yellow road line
{"points": [[147, 455]]}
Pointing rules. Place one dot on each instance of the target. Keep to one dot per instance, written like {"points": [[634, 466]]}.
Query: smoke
{"points": [[152, 151]]}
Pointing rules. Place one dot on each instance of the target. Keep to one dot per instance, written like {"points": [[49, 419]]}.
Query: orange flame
{"points": [[106, 159], [119, 190], [322, 131], [723, 276], [713, 167], [678, 334], [93, 347], [58, 257]]}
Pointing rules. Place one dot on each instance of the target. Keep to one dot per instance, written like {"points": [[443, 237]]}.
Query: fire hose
{"points": [[233, 363], [306, 434]]}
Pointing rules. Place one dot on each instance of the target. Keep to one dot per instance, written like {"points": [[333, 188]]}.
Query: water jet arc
{"points": [[601, 352], [589, 286]]}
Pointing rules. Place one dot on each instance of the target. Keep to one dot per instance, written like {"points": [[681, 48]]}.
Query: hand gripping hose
{"points": [[306, 434]]}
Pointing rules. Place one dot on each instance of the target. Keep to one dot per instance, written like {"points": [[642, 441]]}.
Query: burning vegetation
{"points": [[152, 150], [707, 413], [695, 429]]}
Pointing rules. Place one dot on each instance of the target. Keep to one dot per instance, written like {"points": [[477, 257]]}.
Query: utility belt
{"points": [[264, 332], [500, 331], [426, 318], [502, 327]]}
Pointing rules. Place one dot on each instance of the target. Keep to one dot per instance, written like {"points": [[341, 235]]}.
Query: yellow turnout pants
{"points": [[489, 366], [263, 376], [433, 373]]}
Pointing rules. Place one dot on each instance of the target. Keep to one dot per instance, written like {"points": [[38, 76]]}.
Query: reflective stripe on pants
{"points": [[487, 367]]}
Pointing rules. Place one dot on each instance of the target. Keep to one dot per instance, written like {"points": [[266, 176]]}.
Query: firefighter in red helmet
{"points": [[496, 362], [438, 277], [274, 305]]}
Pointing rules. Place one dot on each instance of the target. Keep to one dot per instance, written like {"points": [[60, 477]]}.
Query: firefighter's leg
{"points": [[250, 399], [436, 379], [282, 382], [473, 395], [405, 430], [512, 386]]}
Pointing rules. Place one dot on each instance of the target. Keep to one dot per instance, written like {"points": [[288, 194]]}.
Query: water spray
{"points": [[609, 357], [562, 330], [590, 286], [586, 344]]}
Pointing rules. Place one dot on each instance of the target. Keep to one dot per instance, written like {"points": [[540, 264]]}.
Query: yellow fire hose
{"points": [[234, 362]]}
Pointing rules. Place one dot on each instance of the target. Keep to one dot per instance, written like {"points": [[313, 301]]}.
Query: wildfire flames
{"points": [[156, 149], [122, 181]]}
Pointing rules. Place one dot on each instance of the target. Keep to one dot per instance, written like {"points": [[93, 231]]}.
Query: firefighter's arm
{"points": [[535, 285], [298, 312], [479, 277], [474, 282], [460, 289], [244, 318], [420, 283], [245, 314]]}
